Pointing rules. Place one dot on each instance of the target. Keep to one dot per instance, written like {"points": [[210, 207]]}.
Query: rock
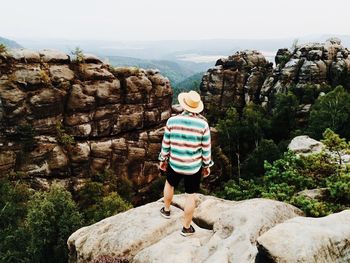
{"points": [[317, 194], [80, 101], [95, 72], [54, 56], [91, 58], [225, 231], [61, 73], [316, 64], [177, 108], [305, 145], [110, 114], [24, 55], [236, 80], [7, 161], [29, 75], [303, 239], [80, 152], [89, 242]]}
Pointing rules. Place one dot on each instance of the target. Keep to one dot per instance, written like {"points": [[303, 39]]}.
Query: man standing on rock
{"points": [[185, 154]]}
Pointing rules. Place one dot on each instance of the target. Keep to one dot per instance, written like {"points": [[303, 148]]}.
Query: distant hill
{"points": [[9, 43], [174, 71], [190, 83]]}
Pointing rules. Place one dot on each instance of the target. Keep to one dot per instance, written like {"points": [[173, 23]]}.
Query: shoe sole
{"points": [[165, 216], [186, 234]]}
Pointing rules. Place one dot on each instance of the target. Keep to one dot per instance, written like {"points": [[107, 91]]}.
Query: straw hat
{"points": [[191, 101]]}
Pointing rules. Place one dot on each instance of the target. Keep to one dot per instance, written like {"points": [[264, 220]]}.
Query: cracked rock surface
{"points": [[226, 231]]}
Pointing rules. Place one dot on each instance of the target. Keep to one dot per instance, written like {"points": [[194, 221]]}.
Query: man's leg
{"points": [[168, 195], [190, 205]]}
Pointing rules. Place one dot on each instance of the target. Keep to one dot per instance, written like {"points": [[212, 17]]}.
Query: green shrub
{"points": [[3, 49], [98, 198], [243, 189], [339, 188], [62, 137], [311, 207], [13, 209], [331, 111], [52, 217], [110, 205], [78, 55]]}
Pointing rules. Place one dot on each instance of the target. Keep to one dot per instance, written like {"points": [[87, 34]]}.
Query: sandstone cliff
{"points": [[114, 115], [235, 80], [247, 76]]}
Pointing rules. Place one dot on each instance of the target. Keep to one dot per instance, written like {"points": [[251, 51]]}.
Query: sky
{"points": [[172, 19]]}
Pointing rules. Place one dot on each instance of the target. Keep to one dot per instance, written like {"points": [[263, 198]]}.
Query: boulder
{"points": [[226, 231], [54, 56], [305, 145], [301, 239]]}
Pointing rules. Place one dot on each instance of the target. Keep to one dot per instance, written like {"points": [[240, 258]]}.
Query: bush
{"points": [[78, 55], [243, 189], [98, 198], [3, 49], [110, 205], [339, 188], [311, 207], [62, 137], [13, 210], [331, 111], [52, 218]]}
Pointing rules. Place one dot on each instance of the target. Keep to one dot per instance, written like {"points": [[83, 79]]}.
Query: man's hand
{"points": [[163, 166], [206, 172]]}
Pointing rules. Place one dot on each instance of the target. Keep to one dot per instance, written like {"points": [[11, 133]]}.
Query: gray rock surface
{"points": [[305, 145], [226, 231], [312, 240]]}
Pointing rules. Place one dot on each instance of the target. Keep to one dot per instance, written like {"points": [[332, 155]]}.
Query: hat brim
{"points": [[181, 99]]}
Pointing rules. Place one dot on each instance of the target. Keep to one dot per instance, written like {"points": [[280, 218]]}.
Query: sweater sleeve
{"points": [[206, 148], [165, 150]]}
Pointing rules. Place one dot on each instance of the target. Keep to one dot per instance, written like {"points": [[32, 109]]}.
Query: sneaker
{"points": [[187, 231], [165, 214]]}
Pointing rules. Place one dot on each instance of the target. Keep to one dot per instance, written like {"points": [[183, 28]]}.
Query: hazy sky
{"points": [[172, 19]]}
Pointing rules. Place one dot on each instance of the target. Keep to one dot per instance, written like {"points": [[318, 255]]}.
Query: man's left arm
{"points": [[165, 150]]}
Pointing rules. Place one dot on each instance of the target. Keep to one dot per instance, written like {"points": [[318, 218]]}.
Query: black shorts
{"points": [[192, 182]]}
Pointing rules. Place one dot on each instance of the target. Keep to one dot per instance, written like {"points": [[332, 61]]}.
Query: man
{"points": [[185, 154]]}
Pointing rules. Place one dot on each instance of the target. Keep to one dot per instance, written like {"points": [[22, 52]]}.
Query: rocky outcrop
{"points": [[247, 76], [63, 120], [317, 64], [301, 239], [226, 231], [235, 80]]}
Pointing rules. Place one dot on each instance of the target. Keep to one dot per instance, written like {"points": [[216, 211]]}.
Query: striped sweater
{"points": [[186, 143]]}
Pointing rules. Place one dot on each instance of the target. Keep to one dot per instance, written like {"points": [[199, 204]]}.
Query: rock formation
{"points": [[235, 80], [248, 76], [226, 231], [114, 116], [319, 64], [301, 239]]}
